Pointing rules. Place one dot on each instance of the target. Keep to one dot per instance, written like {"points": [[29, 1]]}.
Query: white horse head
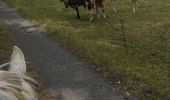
{"points": [[14, 83], [17, 61]]}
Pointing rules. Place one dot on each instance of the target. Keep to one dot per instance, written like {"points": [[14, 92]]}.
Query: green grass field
{"points": [[143, 71]]}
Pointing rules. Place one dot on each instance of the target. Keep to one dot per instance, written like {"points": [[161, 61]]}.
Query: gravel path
{"points": [[65, 75]]}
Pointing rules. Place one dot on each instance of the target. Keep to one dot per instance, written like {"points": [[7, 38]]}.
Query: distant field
{"points": [[144, 70]]}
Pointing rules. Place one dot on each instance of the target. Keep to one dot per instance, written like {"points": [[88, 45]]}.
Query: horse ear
{"points": [[17, 61]]}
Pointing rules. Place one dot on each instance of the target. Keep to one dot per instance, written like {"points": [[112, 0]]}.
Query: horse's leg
{"points": [[134, 5], [114, 5], [97, 11], [77, 11], [102, 6], [91, 9]]}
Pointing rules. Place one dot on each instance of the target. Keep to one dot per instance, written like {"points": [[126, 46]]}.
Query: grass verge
{"points": [[6, 42], [143, 71]]}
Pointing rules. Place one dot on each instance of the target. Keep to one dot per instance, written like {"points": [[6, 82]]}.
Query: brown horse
{"points": [[100, 4]]}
